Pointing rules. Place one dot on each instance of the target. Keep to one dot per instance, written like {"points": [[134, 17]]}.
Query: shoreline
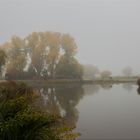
{"points": [[73, 81]]}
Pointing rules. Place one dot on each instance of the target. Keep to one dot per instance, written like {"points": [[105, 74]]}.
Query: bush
{"points": [[20, 120]]}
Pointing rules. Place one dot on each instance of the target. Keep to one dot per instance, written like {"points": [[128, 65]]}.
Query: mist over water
{"points": [[110, 114]]}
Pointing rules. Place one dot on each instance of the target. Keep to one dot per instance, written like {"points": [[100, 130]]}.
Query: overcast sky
{"points": [[107, 32]]}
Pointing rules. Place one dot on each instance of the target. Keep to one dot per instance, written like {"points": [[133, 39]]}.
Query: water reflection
{"points": [[128, 86], [91, 89], [107, 86], [64, 99], [138, 90]]}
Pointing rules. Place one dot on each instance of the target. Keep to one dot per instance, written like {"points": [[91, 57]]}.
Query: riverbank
{"points": [[114, 80]]}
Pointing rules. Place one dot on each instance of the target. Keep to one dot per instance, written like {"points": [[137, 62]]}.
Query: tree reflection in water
{"points": [[91, 89], [128, 86], [107, 86], [62, 100], [138, 90]]}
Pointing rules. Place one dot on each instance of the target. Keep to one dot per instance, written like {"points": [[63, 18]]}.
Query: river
{"points": [[97, 111]]}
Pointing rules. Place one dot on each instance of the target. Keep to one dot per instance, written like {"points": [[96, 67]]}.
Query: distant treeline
{"points": [[40, 55]]}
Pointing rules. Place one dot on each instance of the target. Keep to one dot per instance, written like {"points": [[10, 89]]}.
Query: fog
{"points": [[106, 31]]}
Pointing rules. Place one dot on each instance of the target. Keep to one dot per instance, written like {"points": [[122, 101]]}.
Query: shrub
{"points": [[20, 120]]}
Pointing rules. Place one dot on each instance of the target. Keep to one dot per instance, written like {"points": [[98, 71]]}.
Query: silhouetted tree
{"points": [[106, 74], [90, 71], [127, 71]]}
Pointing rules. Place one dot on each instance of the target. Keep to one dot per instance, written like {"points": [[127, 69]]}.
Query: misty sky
{"points": [[107, 32]]}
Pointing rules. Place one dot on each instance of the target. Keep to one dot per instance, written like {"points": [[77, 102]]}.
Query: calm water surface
{"points": [[97, 111]]}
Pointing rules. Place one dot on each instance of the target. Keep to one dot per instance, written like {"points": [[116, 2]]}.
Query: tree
{"points": [[90, 71], [127, 71], [16, 57], [54, 53], [69, 68], [2, 59], [16, 67], [44, 51], [36, 48], [68, 45], [106, 74]]}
